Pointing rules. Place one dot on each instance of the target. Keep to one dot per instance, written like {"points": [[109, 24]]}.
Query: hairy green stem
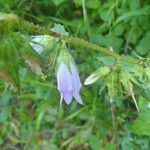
{"points": [[13, 21], [30, 27]]}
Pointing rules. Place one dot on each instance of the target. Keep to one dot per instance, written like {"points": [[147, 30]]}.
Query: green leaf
{"points": [[9, 61], [95, 142], [119, 29], [59, 29], [39, 119], [141, 125], [113, 41], [93, 4], [57, 2], [144, 45], [144, 11], [135, 4], [133, 35], [107, 15], [106, 60], [110, 146]]}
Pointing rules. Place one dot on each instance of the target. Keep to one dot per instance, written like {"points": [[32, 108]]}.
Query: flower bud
{"points": [[41, 42], [102, 71]]}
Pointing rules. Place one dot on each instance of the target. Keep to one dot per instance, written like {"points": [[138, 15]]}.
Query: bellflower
{"points": [[68, 82], [41, 42]]}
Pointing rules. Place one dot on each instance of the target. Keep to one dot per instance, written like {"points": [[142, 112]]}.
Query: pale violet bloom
{"points": [[68, 83], [38, 48], [40, 42]]}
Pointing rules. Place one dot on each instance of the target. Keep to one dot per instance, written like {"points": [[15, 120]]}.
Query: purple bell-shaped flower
{"points": [[68, 82]]}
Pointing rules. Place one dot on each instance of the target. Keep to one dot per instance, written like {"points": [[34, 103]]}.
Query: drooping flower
{"points": [[41, 42], [68, 83]]}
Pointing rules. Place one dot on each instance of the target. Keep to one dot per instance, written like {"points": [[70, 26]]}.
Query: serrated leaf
{"points": [[144, 11], [59, 29], [141, 125], [144, 46]]}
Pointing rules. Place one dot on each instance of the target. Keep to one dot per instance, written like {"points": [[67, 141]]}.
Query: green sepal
{"points": [[64, 56]]}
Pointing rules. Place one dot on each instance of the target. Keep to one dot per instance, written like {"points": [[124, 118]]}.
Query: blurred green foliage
{"points": [[33, 119]]}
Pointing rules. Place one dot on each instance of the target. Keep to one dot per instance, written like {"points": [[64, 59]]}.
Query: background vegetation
{"points": [[33, 119]]}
